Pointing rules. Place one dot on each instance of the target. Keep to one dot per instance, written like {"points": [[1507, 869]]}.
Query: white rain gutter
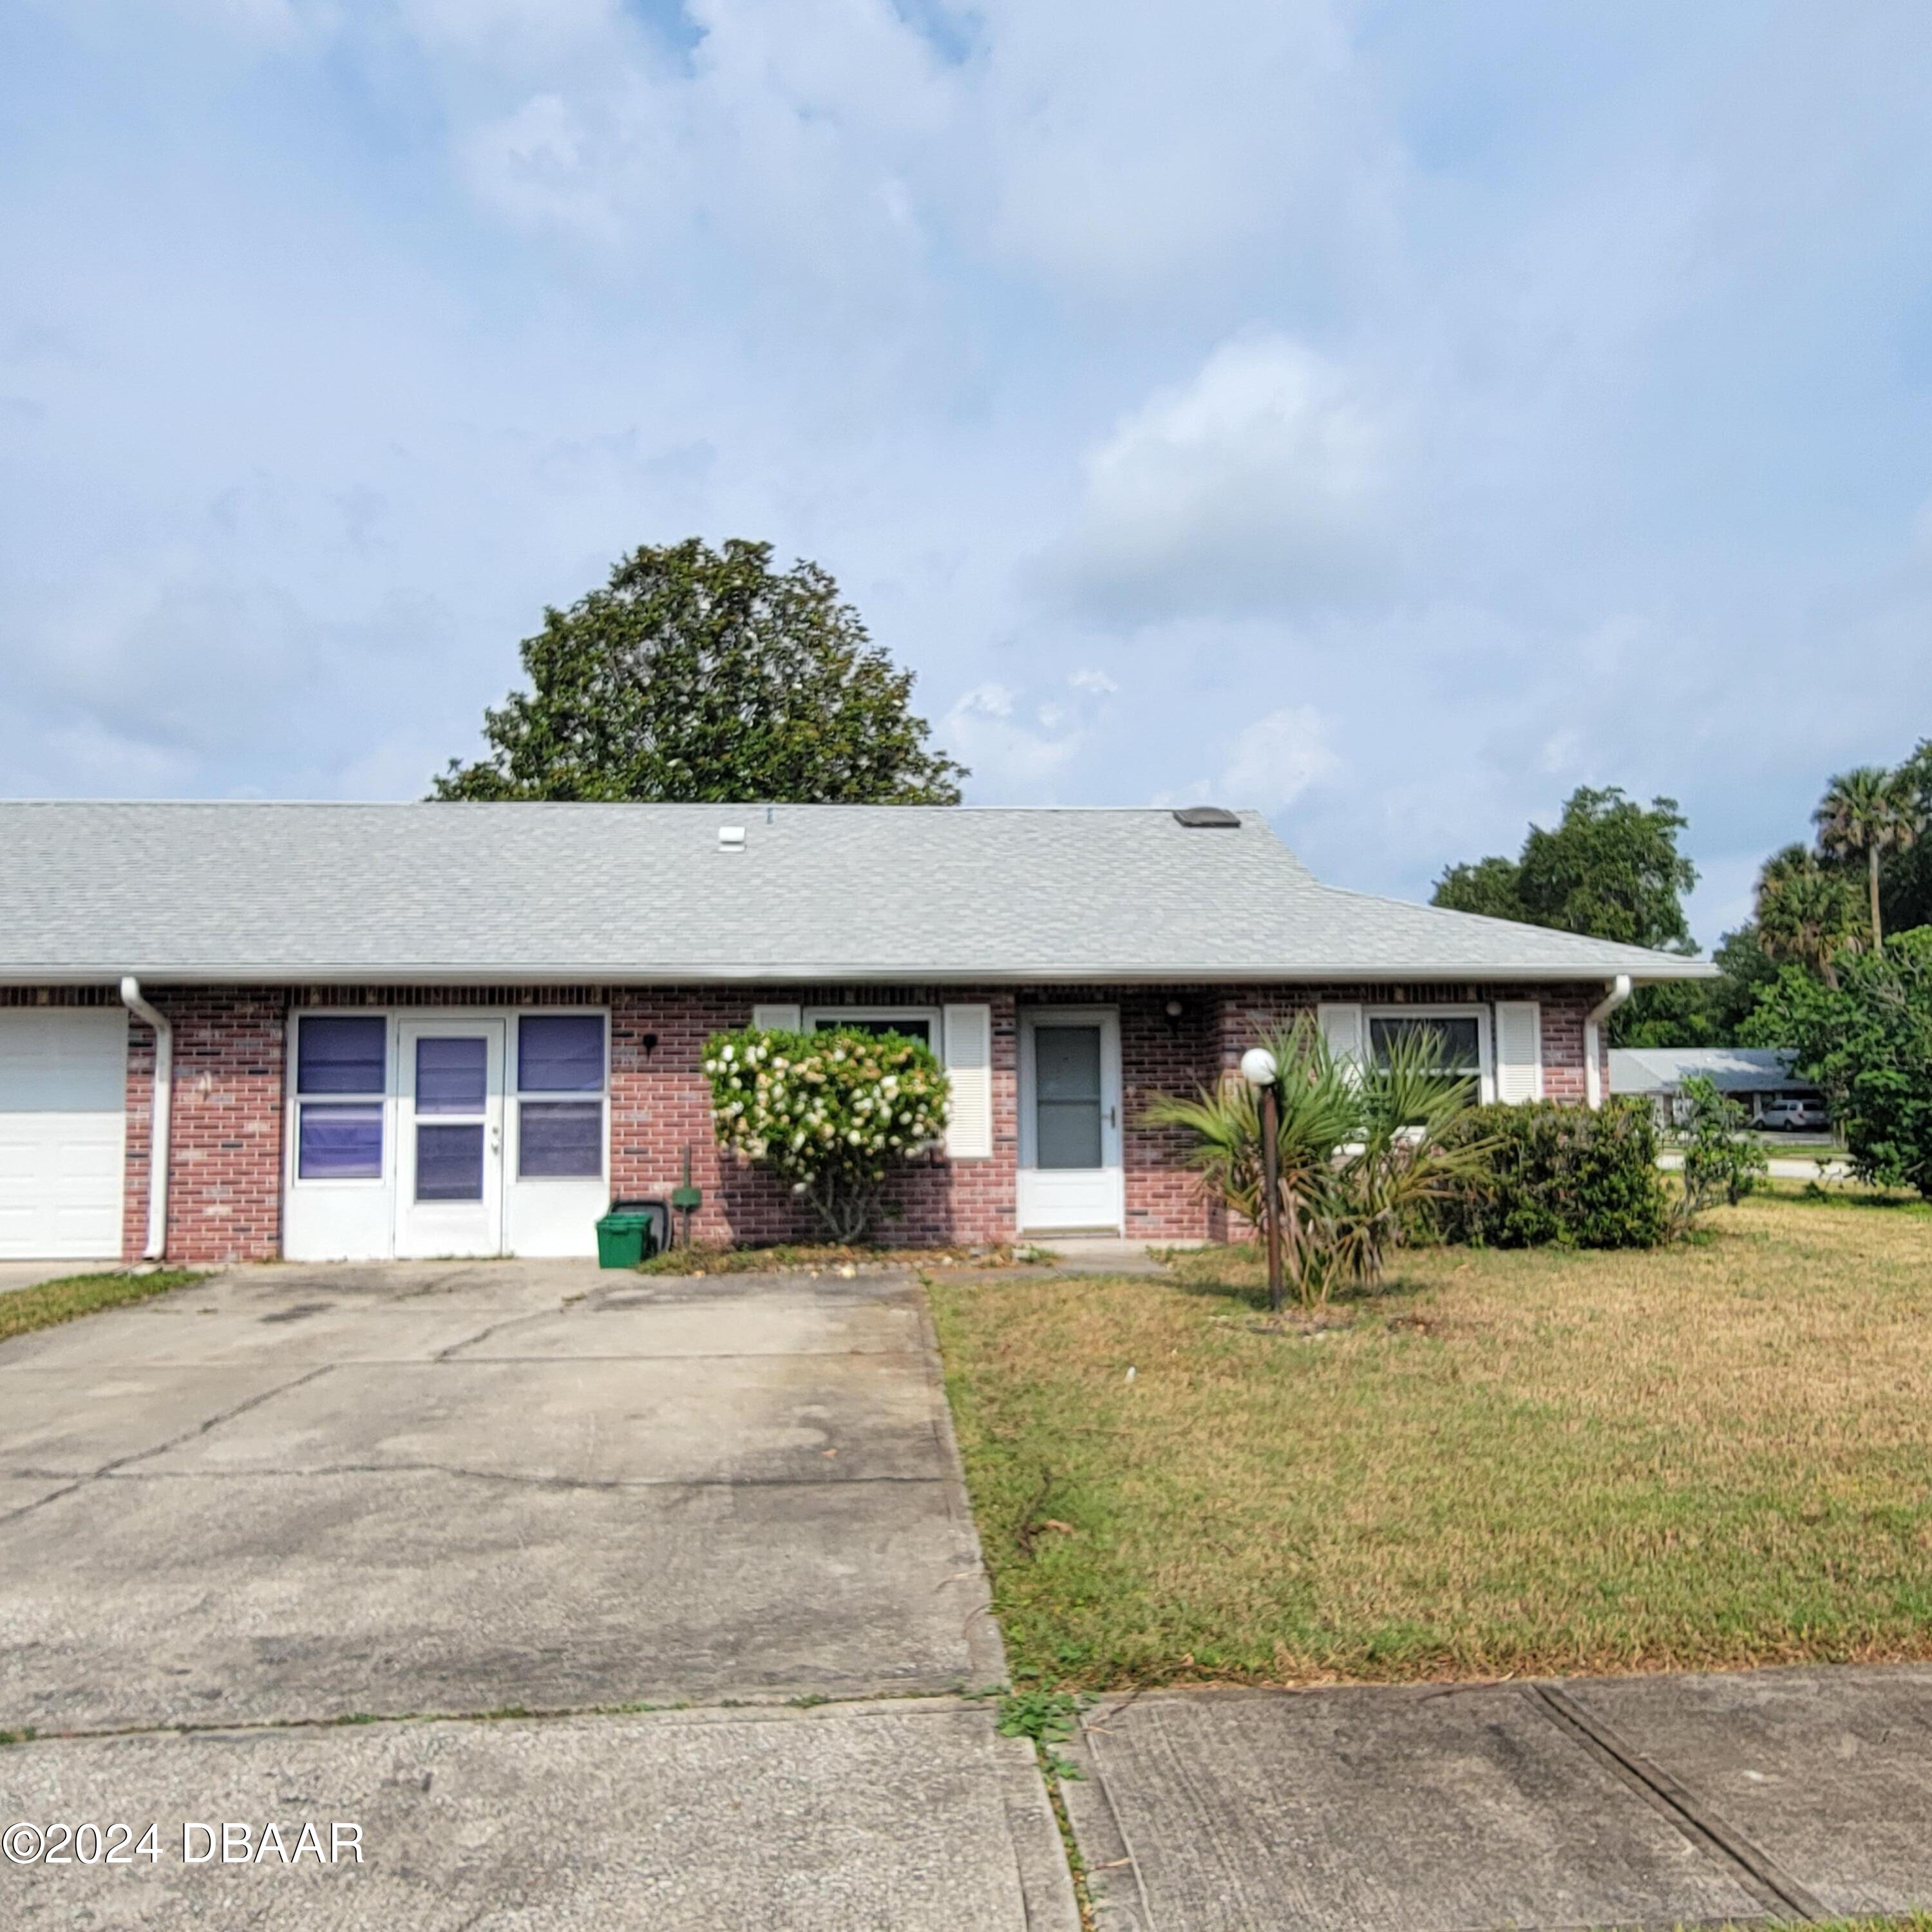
{"points": [[1593, 1021], [159, 1118]]}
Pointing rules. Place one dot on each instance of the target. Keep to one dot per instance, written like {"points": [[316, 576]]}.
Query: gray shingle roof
{"points": [[643, 893], [1732, 1069]]}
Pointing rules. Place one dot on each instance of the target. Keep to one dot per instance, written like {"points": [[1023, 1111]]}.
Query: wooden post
{"points": [[1271, 1189]]}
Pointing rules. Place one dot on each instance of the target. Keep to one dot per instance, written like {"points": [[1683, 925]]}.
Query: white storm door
{"points": [[449, 1138], [1070, 1177]]}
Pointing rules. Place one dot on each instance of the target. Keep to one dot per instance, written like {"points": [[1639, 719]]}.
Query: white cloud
{"points": [[1277, 758], [1016, 748], [1258, 484]]}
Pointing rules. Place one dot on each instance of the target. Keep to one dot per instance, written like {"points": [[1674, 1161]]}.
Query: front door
{"points": [[1069, 1177], [449, 1164]]}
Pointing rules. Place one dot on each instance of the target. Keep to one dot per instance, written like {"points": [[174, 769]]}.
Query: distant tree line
{"points": [[1611, 868]]}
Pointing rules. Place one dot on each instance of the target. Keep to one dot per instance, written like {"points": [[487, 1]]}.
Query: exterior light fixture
{"points": [[1260, 1070]]}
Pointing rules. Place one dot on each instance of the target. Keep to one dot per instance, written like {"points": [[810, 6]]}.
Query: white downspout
{"points": [[160, 1117], [1593, 1022]]}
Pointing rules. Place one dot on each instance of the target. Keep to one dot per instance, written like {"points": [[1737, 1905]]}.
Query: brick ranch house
{"points": [[437, 1029]]}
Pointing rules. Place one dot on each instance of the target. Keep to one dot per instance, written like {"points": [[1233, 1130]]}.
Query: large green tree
{"points": [[1808, 912], [1609, 868], [701, 675], [1864, 815], [1867, 1042]]}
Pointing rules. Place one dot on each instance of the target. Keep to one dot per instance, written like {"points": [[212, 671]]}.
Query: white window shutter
{"points": [[969, 1067], [778, 1018], [1343, 1028], [1519, 1050]]}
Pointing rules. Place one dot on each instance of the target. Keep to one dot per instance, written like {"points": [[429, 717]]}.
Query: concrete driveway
{"points": [[317, 1545]]}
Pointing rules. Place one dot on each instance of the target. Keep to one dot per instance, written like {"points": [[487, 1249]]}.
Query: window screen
{"points": [[335, 1055], [560, 1053], [1458, 1045], [340, 1143], [561, 1140], [912, 1027]]}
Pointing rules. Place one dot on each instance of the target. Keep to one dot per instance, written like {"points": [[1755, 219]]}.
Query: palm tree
{"points": [[1864, 813], [1362, 1151], [1806, 912]]}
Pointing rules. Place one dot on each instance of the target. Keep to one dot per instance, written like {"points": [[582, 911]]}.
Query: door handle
{"points": [[1113, 1117], [496, 1140]]}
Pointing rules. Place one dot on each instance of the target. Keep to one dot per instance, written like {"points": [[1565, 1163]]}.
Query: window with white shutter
{"points": [[968, 1054], [1342, 1028], [1519, 1050]]}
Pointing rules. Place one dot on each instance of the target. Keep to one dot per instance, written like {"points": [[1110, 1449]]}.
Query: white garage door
{"points": [[63, 1128]]}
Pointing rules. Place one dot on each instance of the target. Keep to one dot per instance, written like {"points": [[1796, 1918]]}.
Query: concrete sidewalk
{"points": [[1780, 1794], [412, 1547]]}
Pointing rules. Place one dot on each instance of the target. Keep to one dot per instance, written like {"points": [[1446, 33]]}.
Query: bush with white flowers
{"points": [[831, 1114]]}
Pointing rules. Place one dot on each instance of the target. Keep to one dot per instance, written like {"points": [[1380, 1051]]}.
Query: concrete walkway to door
{"points": [[301, 1544]]}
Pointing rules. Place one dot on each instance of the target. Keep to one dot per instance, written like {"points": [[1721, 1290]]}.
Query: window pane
{"points": [[1066, 1063], [340, 1056], [340, 1144], [560, 1053], [1455, 1037], [920, 1029], [560, 1139], [1070, 1133], [452, 1075], [449, 1163]]}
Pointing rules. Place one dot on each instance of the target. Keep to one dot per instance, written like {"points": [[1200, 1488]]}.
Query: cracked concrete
{"points": [[284, 1497], [1780, 1794]]}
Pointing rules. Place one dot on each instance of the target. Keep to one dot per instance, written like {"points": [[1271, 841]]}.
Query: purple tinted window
{"points": [[560, 1053], [452, 1075], [560, 1139], [340, 1056], [340, 1144], [449, 1163]]}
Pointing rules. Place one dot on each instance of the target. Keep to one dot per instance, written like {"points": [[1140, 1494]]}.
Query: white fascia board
{"points": [[774, 973]]}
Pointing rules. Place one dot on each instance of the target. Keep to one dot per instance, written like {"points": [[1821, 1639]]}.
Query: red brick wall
{"points": [[225, 1164], [225, 1200], [1246, 1012], [660, 1104]]}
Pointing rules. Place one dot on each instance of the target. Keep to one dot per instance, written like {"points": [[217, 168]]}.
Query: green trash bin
{"points": [[626, 1236]]}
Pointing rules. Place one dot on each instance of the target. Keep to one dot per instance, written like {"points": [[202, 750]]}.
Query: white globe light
{"points": [[1257, 1067]]}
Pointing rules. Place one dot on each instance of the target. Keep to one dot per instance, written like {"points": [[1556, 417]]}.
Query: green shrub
{"points": [[1563, 1175], [831, 1113], [1721, 1160]]}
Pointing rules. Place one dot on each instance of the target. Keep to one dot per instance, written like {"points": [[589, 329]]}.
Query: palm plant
{"points": [[1805, 912], [1319, 1111], [1402, 1165], [1863, 813], [1361, 1154]]}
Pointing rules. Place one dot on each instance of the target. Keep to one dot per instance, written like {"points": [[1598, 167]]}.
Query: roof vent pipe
{"points": [[1593, 1022], [160, 1117]]}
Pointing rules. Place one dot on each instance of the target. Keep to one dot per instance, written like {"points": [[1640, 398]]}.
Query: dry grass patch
{"points": [[1716, 1454]]}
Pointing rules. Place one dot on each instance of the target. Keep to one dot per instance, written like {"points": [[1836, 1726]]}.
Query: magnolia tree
{"points": [[831, 1114]]}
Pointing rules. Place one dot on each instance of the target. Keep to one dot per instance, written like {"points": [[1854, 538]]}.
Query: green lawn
{"points": [[23, 1310], [1716, 1454]]}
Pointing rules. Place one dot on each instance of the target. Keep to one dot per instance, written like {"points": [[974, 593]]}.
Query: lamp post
{"points": [[1259, 1070]]}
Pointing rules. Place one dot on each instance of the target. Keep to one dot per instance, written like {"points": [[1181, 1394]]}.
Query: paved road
{"points": [[427, 1497], [1786, 1795]]}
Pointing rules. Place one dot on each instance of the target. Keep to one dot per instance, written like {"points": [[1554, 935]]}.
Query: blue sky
{"points": [[1390, 416]]}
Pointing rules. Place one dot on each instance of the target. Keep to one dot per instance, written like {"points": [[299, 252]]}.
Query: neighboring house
{"points": [[1755, 1077], [443, 1029]]}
